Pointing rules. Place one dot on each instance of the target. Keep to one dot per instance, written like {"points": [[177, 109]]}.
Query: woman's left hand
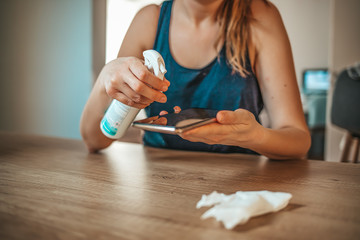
{"points": [[237, 128]]}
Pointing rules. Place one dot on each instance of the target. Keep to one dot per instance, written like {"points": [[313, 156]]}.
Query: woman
{"points": [[233, 56]]}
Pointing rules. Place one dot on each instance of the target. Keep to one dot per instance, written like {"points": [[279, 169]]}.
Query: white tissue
{"points": [[237, 208]]}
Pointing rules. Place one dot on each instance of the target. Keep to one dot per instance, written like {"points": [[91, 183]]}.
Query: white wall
{"points": [[307, 23], [344, 51], [45, 65], [119, 16]]}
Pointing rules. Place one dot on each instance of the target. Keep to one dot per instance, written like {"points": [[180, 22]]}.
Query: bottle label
{"points": [[113, 117]]}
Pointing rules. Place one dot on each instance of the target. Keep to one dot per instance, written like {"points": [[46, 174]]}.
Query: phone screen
{"points": [[175, 123]]}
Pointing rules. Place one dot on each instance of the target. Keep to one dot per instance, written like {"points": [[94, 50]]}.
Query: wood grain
{"points": [[52, 188]]}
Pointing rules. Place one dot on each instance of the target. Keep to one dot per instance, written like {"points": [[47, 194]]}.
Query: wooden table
{"points": [[52, 188]]}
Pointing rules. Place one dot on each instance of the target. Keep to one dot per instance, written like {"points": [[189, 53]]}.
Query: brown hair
{"points": [[234, 17]]}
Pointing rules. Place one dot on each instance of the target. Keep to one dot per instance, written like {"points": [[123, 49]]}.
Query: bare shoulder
{"points": [[265, 12], [142, 32], [266, 24], [148, 14]]}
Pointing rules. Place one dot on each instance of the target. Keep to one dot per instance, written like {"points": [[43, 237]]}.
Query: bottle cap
{"points": [[155, 63]]}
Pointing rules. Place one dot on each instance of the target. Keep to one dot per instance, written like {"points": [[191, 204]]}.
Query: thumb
{"points": [[233, 117]]}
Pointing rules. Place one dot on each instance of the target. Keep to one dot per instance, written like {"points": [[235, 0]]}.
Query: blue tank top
{"points": [[213, 87]]}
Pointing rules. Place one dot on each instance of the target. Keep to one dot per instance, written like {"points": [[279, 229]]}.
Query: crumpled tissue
{"points": [[239, 207]]}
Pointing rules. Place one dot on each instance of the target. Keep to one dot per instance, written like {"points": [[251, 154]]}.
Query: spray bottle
{"points": [[119, 116]]}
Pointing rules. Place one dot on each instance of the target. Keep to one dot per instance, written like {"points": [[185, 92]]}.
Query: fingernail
{"points": [[164, 89], [163, 99]]}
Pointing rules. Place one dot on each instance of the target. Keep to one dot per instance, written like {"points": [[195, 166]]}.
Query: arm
{"points": [[125, 79], [274, 66], [272, 62]]}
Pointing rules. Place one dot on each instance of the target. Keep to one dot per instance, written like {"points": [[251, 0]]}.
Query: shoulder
{"points": [[142, 31], [148, 13], [265, 12], [145, 24], [266, 24]]}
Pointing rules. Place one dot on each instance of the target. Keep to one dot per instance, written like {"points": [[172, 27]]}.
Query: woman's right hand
{"points": [[128, 80]]}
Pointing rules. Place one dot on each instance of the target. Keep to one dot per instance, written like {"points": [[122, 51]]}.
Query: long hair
{"points": [[234, 17]]}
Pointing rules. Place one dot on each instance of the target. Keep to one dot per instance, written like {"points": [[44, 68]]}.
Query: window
{"points": [[119, 15]]}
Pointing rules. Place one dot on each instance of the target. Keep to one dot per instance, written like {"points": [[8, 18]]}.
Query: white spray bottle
{"points": [[119, 116]]}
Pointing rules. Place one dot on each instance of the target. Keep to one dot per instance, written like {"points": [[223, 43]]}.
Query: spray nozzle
{"points": [[155, 63]]}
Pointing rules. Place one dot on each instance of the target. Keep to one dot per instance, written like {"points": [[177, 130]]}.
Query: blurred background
{"points": [[52, 51]]}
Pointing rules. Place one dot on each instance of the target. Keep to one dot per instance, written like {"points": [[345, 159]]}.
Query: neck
{"points": [[198, 11]]}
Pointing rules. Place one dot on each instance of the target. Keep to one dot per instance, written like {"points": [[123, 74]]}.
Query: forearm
{"points": [[284, 143], [93, 112]]}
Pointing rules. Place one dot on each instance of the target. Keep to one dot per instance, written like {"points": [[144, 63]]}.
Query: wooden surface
{"points": [[53, 189]]}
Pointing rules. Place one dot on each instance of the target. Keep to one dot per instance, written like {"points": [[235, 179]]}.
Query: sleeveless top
{"points": [[213, 87]]}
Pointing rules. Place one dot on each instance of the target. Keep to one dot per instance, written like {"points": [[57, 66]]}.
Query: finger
{"points": [[161, 121], [144, 90], [143, 74], [214, 133], [148, 120], [233, 117], [127, 91], [204, 131], [167, 82], [177, 109], [202, 139], [127, 101], [163, 113], [187, 136], [131, 94], [145, 100]]}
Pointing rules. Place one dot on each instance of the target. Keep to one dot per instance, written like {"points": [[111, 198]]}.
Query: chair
{"points": [[345, 111], [316, 114], [315, 85]]}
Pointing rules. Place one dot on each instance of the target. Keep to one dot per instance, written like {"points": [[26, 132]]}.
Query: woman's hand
{"points": [[130, 82], [158, 120], [237, 128]]}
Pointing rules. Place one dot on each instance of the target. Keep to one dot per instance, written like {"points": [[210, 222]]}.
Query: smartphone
{"points": [[175, 123]]}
